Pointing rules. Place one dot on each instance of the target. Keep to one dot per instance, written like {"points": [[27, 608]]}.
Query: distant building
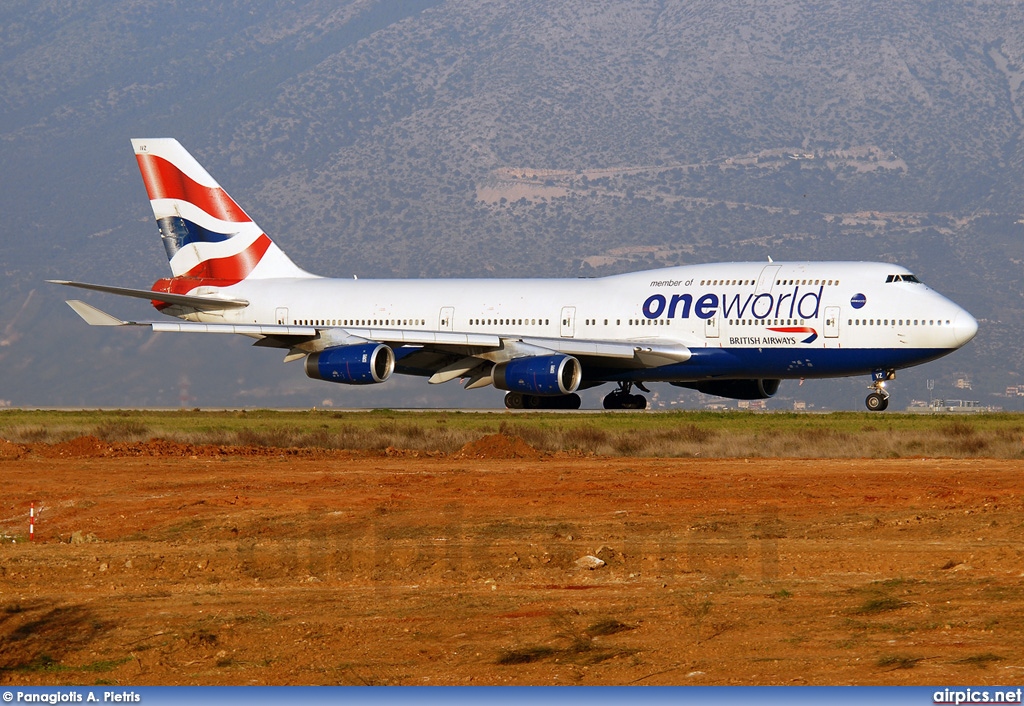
{"points": [[962, 381], [953, 406]]}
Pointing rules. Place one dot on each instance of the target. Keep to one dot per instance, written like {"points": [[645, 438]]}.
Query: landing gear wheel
{"points": [[572, 401], [622, 399], [613, 401], [514, 400], [636, 402], [877, 402]]}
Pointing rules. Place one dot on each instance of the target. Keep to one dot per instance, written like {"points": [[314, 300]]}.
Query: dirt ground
{"points": [[160, 563]]}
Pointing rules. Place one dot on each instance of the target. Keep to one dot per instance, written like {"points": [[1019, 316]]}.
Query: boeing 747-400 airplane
{"points": [[732, 329]]}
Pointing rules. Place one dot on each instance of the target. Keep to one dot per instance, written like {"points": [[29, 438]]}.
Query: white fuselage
{"points": [[741, 302], [841, 305]]}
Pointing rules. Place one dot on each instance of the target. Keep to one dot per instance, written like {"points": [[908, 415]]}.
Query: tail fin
{"points": [[206, 235]]}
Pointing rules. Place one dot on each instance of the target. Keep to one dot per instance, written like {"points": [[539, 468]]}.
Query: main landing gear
{"points": [[878, 400], [622, 399], [517, 400]]}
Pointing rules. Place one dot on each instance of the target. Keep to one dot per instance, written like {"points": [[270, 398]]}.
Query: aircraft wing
{"points": [[477, 346], [98, 317]]}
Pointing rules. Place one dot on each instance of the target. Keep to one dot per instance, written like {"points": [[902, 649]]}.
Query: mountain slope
{"points": [[487, 138]]}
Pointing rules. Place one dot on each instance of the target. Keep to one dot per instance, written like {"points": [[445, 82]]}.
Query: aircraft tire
{"points": [[533, 402], [572, 401], [618, 400], [613, 401], [514, 400], [876, 402]]}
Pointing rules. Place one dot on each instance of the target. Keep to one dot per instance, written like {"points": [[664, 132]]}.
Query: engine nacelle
{"points": [[735, 389], [539, 375], [363, 364]]}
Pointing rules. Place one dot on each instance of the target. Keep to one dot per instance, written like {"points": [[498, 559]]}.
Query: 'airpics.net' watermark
{"points": [[977, 696]]}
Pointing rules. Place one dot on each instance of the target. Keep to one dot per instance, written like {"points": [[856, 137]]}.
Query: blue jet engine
{"points": [[539, 375], [363, 364]]}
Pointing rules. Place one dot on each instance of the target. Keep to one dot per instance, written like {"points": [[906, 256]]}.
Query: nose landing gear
{"points": [[622, 399], [878, 400]]}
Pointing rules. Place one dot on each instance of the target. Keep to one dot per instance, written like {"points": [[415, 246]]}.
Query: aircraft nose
{"points": [[965, 327]]}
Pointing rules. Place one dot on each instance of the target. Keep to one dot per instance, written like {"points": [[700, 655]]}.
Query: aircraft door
{"points": [[767, 279], [711, 327], [282, 315], [568, 327], [446, 319], [831, 322]]}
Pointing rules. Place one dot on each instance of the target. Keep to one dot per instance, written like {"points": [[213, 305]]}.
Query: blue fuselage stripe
{"points": [[783, 363], [741, 364]]}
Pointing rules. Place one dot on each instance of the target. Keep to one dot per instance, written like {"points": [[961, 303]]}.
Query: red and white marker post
{"points": [[32, 522]]}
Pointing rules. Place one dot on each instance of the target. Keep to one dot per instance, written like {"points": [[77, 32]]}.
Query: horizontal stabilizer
{"points": [[94, 316], [192, 300]]}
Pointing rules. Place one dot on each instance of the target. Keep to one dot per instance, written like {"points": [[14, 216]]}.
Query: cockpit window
{"points": [[902, 278]]}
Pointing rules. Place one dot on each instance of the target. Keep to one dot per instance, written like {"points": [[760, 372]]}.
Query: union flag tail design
{"points": [[209, 240]]}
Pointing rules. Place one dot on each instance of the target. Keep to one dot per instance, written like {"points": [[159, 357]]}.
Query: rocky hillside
{"points": [[428, 139]]}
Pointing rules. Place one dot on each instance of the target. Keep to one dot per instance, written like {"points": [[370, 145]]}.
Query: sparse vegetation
{"points": [[105, 665], [981, 661], [122, 430], [669, 434], [881, 604], [609, 626], [898, 662], [580, 646], [525, 655], [43, 663]]}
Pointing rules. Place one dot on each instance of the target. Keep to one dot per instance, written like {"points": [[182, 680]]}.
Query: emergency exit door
{"points": [[831, 322], [568, 324]]}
